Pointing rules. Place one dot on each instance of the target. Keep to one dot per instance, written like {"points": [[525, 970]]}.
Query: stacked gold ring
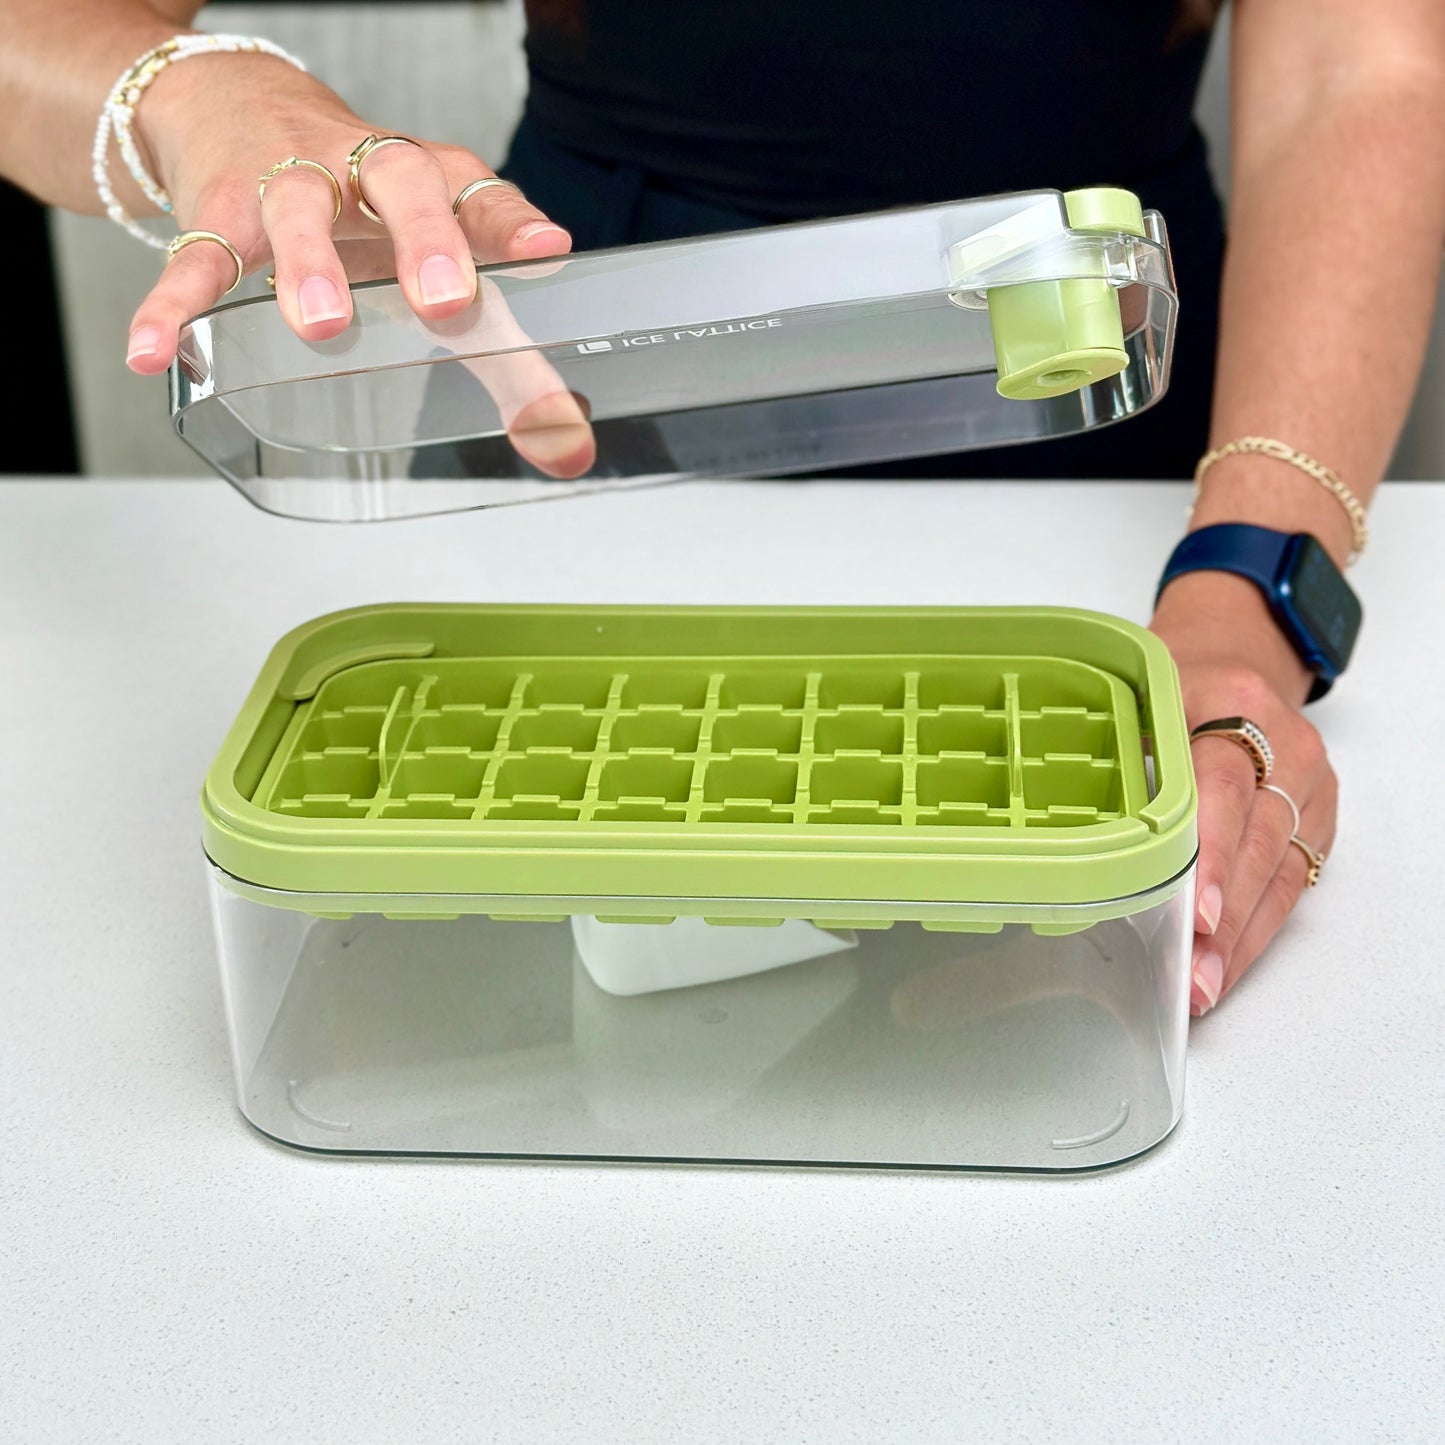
{"points": [[1313, 855], [189, 238], [353, 168], [292, 161], [1251, 737]]}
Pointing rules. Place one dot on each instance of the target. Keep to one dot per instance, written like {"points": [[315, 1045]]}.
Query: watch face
{"points": [[1323, 603]]}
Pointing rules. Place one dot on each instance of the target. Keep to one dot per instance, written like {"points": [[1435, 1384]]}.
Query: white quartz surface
{"points": [[1272, 1272]]}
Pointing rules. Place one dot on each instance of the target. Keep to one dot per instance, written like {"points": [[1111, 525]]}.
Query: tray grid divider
{"points": [[703, 755], [1014, 743], [386, 769], [501, 749], [910, 749], [807, 747], [601, 753]]}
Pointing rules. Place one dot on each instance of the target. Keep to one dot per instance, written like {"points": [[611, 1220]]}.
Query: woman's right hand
{"points": [[211, 163], [212, 125]]}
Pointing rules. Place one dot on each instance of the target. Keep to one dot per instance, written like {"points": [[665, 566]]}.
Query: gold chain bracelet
{"points": [[1269, 447]]}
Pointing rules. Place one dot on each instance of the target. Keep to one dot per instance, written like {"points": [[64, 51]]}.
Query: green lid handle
{"points": [[1053, 337]]}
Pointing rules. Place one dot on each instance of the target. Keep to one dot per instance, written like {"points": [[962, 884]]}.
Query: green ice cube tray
{"points": [[682, 757]]}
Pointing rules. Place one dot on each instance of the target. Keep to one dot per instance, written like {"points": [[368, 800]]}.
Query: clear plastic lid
{"points": [[787, 349]]}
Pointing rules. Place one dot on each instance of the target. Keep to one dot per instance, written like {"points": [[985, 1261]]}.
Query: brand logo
{"points": [[685, 333]]}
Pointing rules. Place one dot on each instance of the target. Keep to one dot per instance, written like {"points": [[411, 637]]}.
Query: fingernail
{"points": [[1208, 981], [1211, 905], [320, 300], [144, 341], [538, 228], [440, 279]]}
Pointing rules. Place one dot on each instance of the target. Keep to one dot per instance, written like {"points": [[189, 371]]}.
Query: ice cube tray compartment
{"points": [[1016, 743], [913, 849], [954, 765]]}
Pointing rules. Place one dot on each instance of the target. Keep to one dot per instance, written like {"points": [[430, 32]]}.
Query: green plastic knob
{"points": [[1053, 337]]}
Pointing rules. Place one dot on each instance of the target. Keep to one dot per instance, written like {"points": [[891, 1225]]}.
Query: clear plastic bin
{"points": [[788, 349], [880, 887]]}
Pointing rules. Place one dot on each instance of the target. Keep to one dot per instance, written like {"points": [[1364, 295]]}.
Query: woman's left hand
{"points": [[1234, 662]]}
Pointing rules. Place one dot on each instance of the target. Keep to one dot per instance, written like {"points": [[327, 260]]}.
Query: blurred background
{"points": [[452, 69]]}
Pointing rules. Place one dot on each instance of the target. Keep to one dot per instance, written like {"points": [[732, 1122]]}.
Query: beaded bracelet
{"points": [[117, 117], [1280, 451]]}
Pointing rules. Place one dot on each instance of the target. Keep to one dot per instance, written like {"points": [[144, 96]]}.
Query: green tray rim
{"points": [[1090, 864]]}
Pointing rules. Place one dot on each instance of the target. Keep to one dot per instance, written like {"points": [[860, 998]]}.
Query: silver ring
{"points": [[481, 185], [1293, 806]]}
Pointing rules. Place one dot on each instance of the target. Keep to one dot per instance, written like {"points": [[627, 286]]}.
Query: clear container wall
{"points": [[1029, 1048]]}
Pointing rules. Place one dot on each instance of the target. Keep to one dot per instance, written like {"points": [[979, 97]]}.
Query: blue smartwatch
{"points": [[1308, 597]]}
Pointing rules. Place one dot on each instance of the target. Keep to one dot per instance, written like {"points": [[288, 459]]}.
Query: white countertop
{"points": [[1273, 1271]]}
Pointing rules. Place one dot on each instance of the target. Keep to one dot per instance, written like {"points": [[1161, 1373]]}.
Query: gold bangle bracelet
{"points": [[1281, 452]]}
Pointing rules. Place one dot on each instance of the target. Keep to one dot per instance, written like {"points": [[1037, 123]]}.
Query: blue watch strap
{"points": [[1252, 552], [1261, 555]]}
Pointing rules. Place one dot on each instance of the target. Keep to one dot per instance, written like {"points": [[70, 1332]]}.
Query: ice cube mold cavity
{"points": [[844, 740]]}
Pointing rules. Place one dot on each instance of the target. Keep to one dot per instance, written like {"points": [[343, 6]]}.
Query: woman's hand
{"points": [[212, 125], [1234, 662]]}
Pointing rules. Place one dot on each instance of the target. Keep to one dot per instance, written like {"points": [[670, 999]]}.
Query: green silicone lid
{"points": [[868, 755]]}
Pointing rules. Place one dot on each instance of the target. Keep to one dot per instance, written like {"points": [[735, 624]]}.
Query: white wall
{"points": [[453, 71]]}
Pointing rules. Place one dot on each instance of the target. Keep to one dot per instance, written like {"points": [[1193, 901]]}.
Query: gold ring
{"points": [[291, 161], [1250, 736], [1293, 806], [353, 167], [481, 185], [1316, 860], [189, 238]]}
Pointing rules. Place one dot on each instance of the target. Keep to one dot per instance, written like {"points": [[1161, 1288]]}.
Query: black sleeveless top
{"points": [[652, 119], [796, 108]]}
